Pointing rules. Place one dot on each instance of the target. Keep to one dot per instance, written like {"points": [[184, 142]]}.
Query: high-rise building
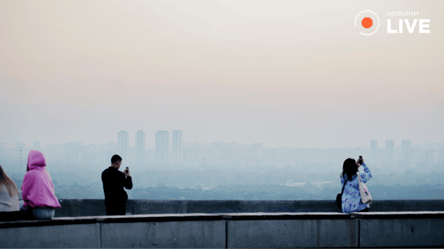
{"points": [[176, 147], [140, 147], [122, 143], [374, 150], [407, 152], [162, 146], [390, 152]]}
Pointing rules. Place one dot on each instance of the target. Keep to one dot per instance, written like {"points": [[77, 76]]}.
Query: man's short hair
{"points": [[115, 159]]}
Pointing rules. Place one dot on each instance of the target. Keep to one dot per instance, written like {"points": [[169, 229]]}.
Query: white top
{"points": [[8, 203]]}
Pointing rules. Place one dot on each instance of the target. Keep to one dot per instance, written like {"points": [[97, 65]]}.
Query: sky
{"points": [[285, 73]]}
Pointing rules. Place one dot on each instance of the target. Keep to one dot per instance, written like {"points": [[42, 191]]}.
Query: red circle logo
{"points": [[367, 22]]}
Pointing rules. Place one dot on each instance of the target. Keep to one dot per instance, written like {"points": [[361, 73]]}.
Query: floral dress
{"points": [[351, 198]]}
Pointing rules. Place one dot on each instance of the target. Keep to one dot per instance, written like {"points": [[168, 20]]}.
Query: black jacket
{"points": [[113, 183]]}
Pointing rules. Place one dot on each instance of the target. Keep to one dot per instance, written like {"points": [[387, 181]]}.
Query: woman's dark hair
{"points": [[115, 159], [349, 168]]}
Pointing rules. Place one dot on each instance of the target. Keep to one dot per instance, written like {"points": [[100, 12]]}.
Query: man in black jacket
{"points": [[113, 183]]}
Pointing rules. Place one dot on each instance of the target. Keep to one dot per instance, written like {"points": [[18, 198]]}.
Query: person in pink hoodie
{"points": [[37, 189]]}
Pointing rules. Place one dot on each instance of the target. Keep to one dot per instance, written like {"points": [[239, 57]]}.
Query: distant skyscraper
{"points": [[176, 147], [407, 152], [140, 147], [36, 145], [122, 142], [390, 152], [374, 150], [162, 146]]}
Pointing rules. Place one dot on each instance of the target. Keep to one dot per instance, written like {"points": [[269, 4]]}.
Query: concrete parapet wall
{"points": [[95, 207], [172, 234], [392, 230], [230, 230], [58, 236], [292, 233]]}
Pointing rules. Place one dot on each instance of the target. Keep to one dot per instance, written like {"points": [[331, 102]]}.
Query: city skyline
{"points": [[394, 156], [170, 149], [40, 144]]}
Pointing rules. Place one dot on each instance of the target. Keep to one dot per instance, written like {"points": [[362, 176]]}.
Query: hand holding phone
{"points": [[126, 172]]}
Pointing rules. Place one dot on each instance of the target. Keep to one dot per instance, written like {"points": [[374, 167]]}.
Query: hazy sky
{"points": [[285, 73]]}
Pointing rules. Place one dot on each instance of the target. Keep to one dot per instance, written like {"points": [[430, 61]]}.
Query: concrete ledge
{"points": [[233, 230], [96, 207], [221, 216], [397, 215], [172, 217]]}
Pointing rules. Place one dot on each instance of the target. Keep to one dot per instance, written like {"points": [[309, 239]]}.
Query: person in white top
{"points": [[9, 193]]}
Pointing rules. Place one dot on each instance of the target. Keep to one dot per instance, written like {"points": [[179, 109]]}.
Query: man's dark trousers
{"points": [[116, 209]]}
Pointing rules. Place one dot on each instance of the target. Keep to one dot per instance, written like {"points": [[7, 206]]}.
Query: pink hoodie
{"points": [[37, 188]]}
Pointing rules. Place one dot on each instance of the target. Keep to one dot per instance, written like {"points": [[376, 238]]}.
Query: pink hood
{"points": [[37, 188]]}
